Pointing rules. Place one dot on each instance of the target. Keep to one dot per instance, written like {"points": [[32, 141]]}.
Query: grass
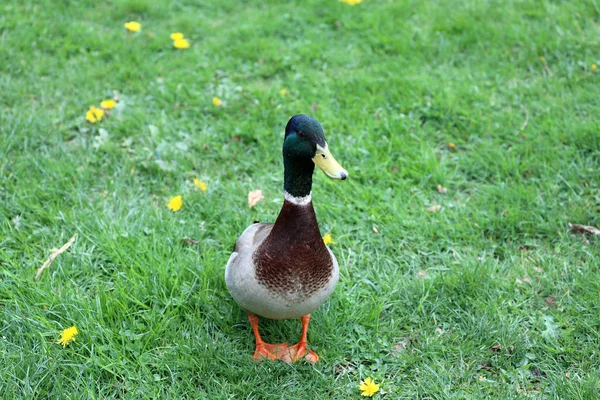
{"points": [[491, 297]]}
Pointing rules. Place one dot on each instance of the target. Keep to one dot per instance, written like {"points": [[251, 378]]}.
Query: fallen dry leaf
{"points": [[439, 330], [401, 346], [576, 228], [375, 229], [55, 253], [422, 274], [435, 208], [550, 301], [441, 189], [254, 197], [189, 241], [496, 347]]}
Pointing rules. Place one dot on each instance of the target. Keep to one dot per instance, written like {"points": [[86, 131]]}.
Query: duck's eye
{"points": [[300, 135], [323, 155]]}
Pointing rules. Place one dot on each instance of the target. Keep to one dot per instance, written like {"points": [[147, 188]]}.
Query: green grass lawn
{"points": [[490, 297]]}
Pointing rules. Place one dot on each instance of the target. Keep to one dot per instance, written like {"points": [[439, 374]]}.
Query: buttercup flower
{"points": [[176, 36], [327, 239], [181, 44], [351, 2], [175, 203], [132, 26], [94, 114], [217, 102], [108, 104], [594, 67], [283, 92], [200, 185], [368, 387], [67, 336]]}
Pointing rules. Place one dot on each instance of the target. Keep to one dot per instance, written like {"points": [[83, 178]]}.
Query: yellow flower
{"points": [[368, 387], [132, 26], [94, 114], [181, 44], [200, 185], [351, 2], [108, 104], [594, 67], [67, 336], [283, 92], [175, 203], [327, 239], [217, 102], [176, 36], [451, 146]]}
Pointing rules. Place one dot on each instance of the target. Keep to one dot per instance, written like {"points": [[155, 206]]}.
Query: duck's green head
{"points": [[303, 147]]}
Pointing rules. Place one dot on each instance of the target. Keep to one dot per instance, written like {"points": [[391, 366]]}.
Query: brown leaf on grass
{"points": [[375, 229], [401, 346], [511, 348], [189, 241], [434, 209], [55, 253], [254, 197], [441, 189], [576, 228], [550, 301], [496, 347], [486, 367]]}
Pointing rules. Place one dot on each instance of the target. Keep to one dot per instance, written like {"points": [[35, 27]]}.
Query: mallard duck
{"points": [[284, 270]]}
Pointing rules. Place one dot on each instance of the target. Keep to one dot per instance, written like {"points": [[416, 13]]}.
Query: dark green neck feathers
{"points": [[298, 164], [298, 176]]}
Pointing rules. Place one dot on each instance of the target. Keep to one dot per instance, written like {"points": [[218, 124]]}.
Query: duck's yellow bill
{"points": [[327, 163]]}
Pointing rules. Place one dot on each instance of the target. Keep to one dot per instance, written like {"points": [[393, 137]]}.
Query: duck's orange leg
{"points": [[282, 351], [266, 350], [299, 350]]}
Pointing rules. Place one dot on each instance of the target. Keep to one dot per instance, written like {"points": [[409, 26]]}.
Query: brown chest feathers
{"points": [[293, 260]]}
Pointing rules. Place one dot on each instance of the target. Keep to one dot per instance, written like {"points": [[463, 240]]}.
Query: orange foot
{"points": [[299, 351], [284, 352], [270, 351]]}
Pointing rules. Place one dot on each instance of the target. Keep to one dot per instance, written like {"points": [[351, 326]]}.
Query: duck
{"points": [[284, 270]]}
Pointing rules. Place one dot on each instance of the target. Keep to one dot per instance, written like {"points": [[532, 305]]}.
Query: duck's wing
{"points": [[246, 244]]}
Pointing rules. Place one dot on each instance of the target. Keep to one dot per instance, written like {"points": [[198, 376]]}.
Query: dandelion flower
{"points": [[67, 336], [94, 114], [175, 203], [352, 2], [327, 239], [594, 67], [108, 104], [132, 26], [368, 387], [217, 102], [451, 146], [200, 185], [181, 44], [176, 36], [283, 92]]}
